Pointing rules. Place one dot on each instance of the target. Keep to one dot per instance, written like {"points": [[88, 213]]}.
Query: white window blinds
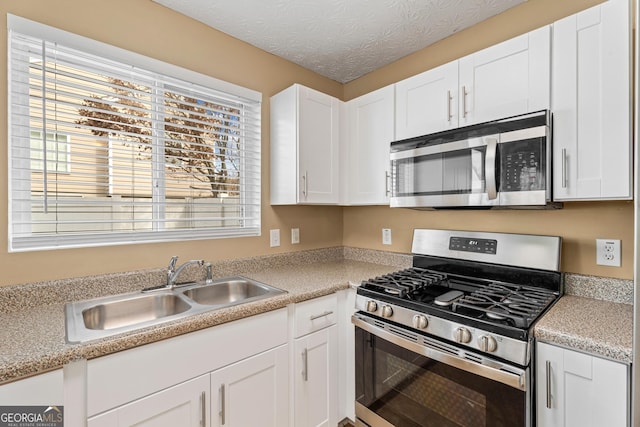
{"points": [[106, 152]]}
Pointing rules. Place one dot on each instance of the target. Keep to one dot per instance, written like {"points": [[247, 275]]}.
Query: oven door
{"points": [[411, 380]]}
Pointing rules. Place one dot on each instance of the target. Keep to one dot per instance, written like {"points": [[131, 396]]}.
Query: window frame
{"points": [[20, 236]]}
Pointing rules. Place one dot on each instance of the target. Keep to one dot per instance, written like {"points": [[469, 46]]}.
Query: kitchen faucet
{"points": [[173, 273]]}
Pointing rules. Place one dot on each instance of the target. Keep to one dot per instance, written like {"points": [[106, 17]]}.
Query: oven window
{"points": [[407, 389]]}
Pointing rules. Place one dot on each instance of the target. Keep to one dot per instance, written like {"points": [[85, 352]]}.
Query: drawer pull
{"points": [[305, 365], [223, 414], [319, 316], [548, 375], [203, 409]]}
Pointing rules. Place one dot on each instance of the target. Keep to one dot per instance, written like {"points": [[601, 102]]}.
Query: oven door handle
{"points": [[495, 372]]}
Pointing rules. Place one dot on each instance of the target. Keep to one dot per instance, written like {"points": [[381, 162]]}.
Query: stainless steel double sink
{"points": [[103, 317]]}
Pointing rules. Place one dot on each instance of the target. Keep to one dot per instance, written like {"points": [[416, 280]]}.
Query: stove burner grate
{"points": [[406, 283], [519, 305]]}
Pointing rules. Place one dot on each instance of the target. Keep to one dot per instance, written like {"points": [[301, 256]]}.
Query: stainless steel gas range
{"points": [[448, 342]]}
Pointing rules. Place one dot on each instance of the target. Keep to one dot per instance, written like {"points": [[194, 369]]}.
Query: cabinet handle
{"points": [[305, 372], [449, 116], [203, 409], [222, 404], [318, 316], [564, 168], [464, 101], [387, 178], [548, 375], [304, 185]]}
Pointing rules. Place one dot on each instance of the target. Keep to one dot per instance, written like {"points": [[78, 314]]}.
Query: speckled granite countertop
{"points": [[32, 317], [595, 316]]}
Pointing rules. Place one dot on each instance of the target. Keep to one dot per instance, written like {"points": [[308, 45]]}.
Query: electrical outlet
{"points": [[386, 236], [608, 252], [295, 236], [274, 236]]}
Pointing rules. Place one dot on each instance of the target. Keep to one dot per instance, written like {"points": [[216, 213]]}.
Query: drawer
{"points": [[315, 314]]}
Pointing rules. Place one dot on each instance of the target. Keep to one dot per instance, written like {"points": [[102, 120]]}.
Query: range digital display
{"points": [[466, 244]]}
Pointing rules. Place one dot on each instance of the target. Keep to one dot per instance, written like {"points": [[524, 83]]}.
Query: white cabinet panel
{"points": [[252, 392], [315, 379], [43, 389], [304, 147], [504, 80], [365, 165], [185, 404], [577, 389], [591, 101], [165, 363], [427, 102], [315, 314], [507, 79]]}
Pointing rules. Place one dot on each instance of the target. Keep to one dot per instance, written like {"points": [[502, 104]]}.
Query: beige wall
{"points": [[142, 26], [579, 223]]}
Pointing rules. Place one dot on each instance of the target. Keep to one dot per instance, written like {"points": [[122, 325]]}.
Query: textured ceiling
{"points": [[340, 39]]}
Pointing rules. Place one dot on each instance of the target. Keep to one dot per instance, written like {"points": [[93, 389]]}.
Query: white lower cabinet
{"points": [[185, 405], [578, 389], [315, 363], [252, 392], [170, 382], [43, 389], [316, 376]]}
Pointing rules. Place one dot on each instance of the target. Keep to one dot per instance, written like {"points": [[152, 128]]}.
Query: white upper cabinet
{"points": [[591, 100], [304, 147], [369, 129], [507, 79], [428, 102]]}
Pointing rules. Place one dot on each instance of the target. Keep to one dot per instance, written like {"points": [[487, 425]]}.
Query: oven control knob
{"points": [[462, 335], [420, 321], [487, 343], [387, 311], [371, 306]]}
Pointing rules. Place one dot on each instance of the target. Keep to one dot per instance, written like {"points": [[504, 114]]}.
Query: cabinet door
{"points": [[591, 104], [315, 379], [371, 123], [185, 404], [318, 137], [252, 392], [428, 102], [507, 79], [44, 389], [577, 389]]}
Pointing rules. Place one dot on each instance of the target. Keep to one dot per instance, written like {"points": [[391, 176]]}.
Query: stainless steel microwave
{"points": [[500, 164]]}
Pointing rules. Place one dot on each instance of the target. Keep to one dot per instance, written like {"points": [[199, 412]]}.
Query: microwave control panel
{"points": [[522, 166]]}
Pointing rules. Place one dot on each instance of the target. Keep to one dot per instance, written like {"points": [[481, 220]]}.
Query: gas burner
{"points": [[405, 283]]}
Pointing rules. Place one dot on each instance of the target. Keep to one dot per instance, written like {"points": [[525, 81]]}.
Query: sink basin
{"points": [[230, 291], [107, 316], [131, 311]]}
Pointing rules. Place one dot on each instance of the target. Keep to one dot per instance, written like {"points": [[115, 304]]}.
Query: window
{"points": [[56, 152], [110, 147]]}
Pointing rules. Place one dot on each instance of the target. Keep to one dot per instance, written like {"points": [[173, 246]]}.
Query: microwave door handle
{"points": [[490, 167]]}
